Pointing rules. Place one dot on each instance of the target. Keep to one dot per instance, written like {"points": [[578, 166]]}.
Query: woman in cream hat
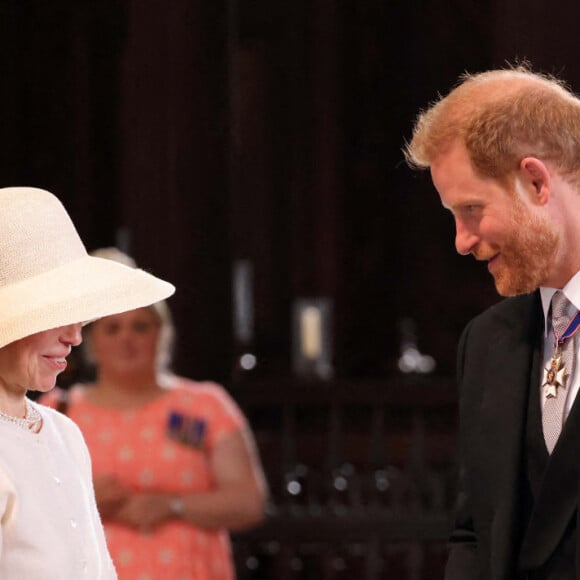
{"points": [[49, 287], [175, 465]]}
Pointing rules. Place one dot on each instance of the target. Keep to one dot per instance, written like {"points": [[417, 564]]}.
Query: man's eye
{"points": [[471, 209]]}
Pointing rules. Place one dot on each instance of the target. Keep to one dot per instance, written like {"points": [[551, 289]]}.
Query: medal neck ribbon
{"points": [[572, 328]]}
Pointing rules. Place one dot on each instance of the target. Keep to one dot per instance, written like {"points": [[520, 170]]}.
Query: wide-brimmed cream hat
{"points": [[48, 280]]}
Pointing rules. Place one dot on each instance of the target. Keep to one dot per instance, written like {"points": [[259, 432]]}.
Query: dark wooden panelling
{"points": [[269, 131], [174, 168]]}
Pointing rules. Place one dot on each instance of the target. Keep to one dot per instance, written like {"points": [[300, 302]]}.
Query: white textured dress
{"points": [[50, 528]]}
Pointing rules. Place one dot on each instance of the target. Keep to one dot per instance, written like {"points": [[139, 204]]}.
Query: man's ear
{"points": [[536, 177]]}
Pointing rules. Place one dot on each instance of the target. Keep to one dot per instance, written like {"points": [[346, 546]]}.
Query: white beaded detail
{"points": [[32, 420]]}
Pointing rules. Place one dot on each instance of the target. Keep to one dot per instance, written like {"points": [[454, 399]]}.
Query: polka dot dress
{"points": [[161, 446]]}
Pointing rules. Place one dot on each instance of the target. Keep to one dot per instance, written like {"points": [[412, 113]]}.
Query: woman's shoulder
{"points": [[187, 390], [209, 402], [63, 423], [185, 386]]}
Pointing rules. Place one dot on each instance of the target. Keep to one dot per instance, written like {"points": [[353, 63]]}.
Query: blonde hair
{"points": [[502, 116], [160, 309]]}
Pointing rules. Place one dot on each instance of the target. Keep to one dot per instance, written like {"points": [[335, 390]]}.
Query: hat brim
{"points": [[79, 291]]}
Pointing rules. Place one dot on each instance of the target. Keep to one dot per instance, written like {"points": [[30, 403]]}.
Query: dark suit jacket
{"points": [[499, 360]]}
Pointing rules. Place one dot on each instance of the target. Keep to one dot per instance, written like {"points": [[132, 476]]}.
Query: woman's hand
{"points": [[146, 511]]}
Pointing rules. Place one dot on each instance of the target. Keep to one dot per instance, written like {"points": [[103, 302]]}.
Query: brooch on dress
{"points": [[187, 430]]}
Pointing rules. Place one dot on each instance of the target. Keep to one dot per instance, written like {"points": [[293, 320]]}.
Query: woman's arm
{"points": [[237, 500]]}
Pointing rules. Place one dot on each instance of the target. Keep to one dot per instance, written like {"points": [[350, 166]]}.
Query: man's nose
{"points": [[465, 239]]}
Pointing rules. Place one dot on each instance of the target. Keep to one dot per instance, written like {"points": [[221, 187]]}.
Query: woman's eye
{"points": [[141, 327], [111, 329]]}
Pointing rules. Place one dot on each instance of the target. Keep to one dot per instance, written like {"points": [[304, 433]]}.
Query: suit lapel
{"points": [[508, 375]]}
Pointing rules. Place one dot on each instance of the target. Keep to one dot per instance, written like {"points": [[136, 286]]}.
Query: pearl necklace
{"points": [[32, 420]]}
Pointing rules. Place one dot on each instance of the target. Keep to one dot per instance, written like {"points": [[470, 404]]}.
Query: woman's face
{"points": [[34, 362], [125, 344]]}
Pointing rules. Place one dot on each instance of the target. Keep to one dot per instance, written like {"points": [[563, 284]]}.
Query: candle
{"points": [[311, 332]]}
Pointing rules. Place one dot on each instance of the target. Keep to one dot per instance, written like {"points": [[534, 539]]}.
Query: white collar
{"points": [[571, 290]]}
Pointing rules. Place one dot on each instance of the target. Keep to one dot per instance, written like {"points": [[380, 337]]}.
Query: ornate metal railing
{"points": [[362, 479]]}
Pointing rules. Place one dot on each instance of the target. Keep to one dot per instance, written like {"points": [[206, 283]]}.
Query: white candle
{"points": [[311, 332]]}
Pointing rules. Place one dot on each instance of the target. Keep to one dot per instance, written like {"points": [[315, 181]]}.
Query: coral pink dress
{"points": [[163, 446]]}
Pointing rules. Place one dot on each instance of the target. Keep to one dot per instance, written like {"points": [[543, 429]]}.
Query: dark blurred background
{"points": [[197, 134]]}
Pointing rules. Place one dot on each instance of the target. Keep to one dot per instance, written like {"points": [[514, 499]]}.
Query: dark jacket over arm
{"points": [[495, 359]]}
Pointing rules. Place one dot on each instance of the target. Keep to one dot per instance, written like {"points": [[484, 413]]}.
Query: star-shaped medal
{"points": [[554, 376]]}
